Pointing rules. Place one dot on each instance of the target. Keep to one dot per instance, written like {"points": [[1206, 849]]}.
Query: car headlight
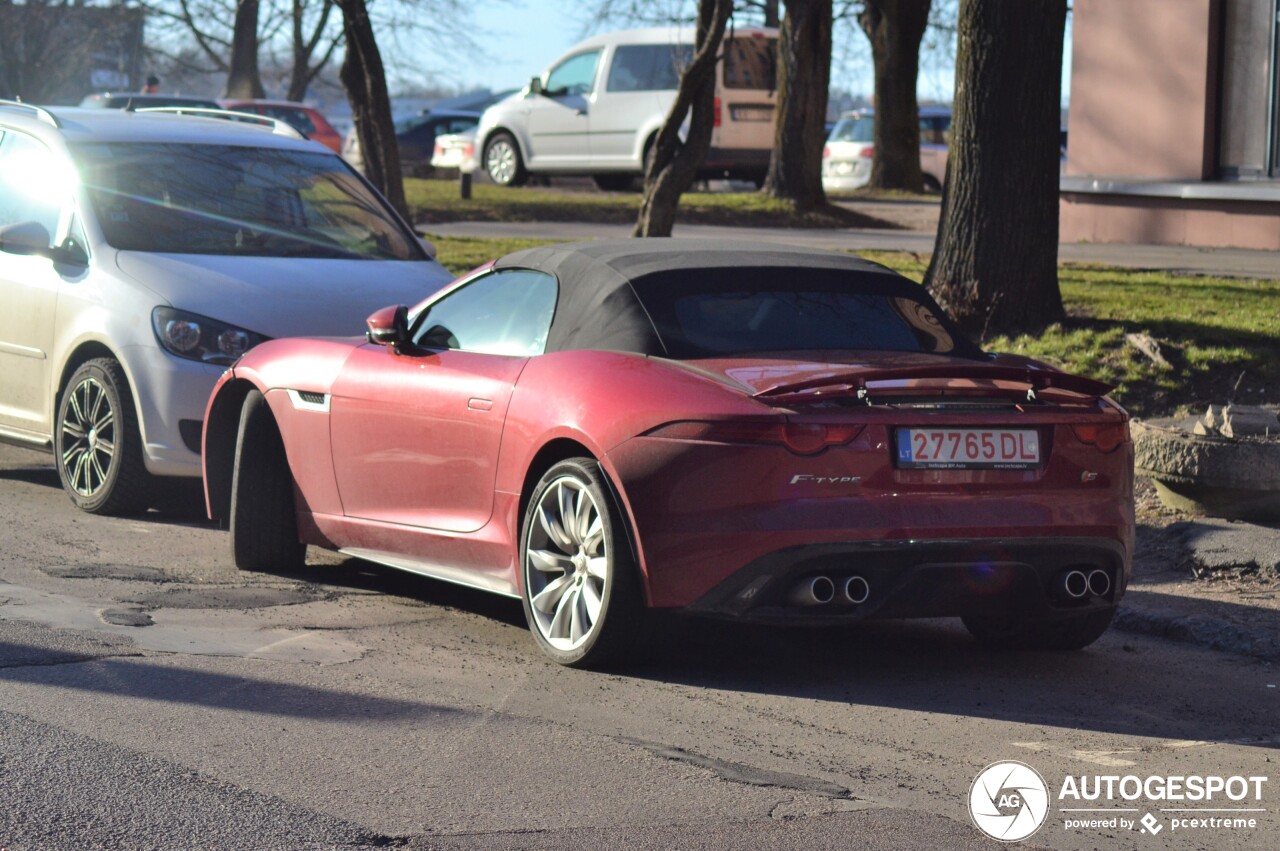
{"points": [[195, 337]]}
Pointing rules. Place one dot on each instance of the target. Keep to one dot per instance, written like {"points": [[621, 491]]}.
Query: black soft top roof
{"points": [[604, 284]]}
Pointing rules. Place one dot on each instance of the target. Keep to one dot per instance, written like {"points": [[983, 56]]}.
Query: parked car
{"points": [[416, 138], [307, 120], [597, 109], [142, 100], [846, 158], [142, 252], [456, 150], [742, 431]]}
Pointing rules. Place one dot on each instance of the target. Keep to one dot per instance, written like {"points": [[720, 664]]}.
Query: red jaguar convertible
{"points": [[731, 430]]}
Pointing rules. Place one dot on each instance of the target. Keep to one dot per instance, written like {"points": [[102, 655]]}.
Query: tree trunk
{"points": [[672, 165], [894, 28], [365, 82], [769, 9], [804, 75], [995, 262], [243, 78]]}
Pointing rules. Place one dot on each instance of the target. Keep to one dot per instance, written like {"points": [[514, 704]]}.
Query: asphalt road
{"points": [[153, 697]]}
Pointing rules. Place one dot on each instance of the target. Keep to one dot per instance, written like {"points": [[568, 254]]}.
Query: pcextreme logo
{"points": [[1009, 801]]}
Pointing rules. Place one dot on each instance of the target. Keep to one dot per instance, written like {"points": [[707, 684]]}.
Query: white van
{"points": [[597, 109]]}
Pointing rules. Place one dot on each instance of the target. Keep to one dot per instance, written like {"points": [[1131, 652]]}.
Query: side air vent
{"points": [[310, 397]]}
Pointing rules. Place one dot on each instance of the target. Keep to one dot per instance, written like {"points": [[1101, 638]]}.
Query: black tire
{"points": [[614, 182], [617, 630], [1060, 633], [97, 444], [502, 160], [931, 184], [264, 527]]}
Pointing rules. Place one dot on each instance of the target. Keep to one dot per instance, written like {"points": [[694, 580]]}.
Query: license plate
{"points": [[968, 448], [752, 113]]}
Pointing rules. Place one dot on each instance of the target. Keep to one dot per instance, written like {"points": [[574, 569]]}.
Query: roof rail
{"points": [[282, 128], [41, 113]]}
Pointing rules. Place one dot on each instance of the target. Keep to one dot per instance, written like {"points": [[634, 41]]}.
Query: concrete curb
{"points": [[1202, 630]]}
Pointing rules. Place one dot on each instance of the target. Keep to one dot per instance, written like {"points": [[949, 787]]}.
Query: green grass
{"points": [[436, 202], [1221, 336]]}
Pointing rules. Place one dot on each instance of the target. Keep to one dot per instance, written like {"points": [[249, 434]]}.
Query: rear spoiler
{"points": [[855, 383]]}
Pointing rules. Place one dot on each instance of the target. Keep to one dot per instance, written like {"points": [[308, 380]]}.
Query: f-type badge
{"points": [[809, 479]]}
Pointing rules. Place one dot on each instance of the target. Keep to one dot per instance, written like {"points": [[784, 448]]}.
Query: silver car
{"points": [[143, 252]]}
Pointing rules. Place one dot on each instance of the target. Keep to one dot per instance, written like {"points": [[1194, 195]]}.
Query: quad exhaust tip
{"points": [[814, 591], [1076, 584], [821, 590], [855, 590], [1071, 585]]}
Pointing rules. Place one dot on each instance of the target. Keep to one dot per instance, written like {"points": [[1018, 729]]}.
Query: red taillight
{"points": [[1105, 436], [439, 151], [868, 152], [716, 120], [468, 150], [800, 438], [826, 152]]}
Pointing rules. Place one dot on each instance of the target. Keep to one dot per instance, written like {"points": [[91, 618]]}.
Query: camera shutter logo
{"points": [[1008, 801]]}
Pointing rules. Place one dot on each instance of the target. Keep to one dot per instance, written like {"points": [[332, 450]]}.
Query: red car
{"points": [[307, 120], [739, 431]]}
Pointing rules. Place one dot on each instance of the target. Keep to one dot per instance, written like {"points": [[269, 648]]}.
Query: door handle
{"points": [[477, 404]]}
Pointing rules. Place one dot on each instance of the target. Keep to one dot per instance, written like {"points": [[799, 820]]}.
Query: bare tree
{"points": [[49, 49], [894, 28], [672, 165], [310, 44], [994, 264], [243, 78], [365, 80], [804, 76]]}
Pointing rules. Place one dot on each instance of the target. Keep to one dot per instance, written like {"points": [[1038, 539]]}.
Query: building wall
{"points": [[1168, 221], [1142, 88], [1143, 121]]}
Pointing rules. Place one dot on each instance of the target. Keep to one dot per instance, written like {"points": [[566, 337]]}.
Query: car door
{"points": [[560, 117], [30, 285], [416, 433], [639, 85]]}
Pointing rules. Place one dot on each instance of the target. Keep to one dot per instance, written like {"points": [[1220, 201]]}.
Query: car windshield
{"points": [[860, 128], [743, 311], [226, 199]]}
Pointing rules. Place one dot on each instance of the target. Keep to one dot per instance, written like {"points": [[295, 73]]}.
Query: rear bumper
{"points": [[737, 160], [920, 579]]}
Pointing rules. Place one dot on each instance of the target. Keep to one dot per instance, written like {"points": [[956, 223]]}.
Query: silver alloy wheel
{"points": [[566, 568], [88, 437], [500, 161]]}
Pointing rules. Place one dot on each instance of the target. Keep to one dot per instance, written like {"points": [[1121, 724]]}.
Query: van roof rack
{"points": [[41, 113], [282, 128]]}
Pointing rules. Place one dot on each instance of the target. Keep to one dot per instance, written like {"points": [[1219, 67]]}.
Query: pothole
{"points": [[125, 617], [225, 598], [126, 572]]}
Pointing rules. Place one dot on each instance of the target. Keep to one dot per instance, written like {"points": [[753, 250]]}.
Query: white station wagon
{"points": [[142, 252]]}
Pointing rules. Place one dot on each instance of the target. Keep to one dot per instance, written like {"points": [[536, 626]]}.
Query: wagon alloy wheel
{"points": [[502, 161], [96, 441], [88, 437], [581, 593]]}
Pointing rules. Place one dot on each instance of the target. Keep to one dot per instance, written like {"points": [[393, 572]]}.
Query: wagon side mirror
{"points": [[389, 326], [26, 238], [535, 86]]}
